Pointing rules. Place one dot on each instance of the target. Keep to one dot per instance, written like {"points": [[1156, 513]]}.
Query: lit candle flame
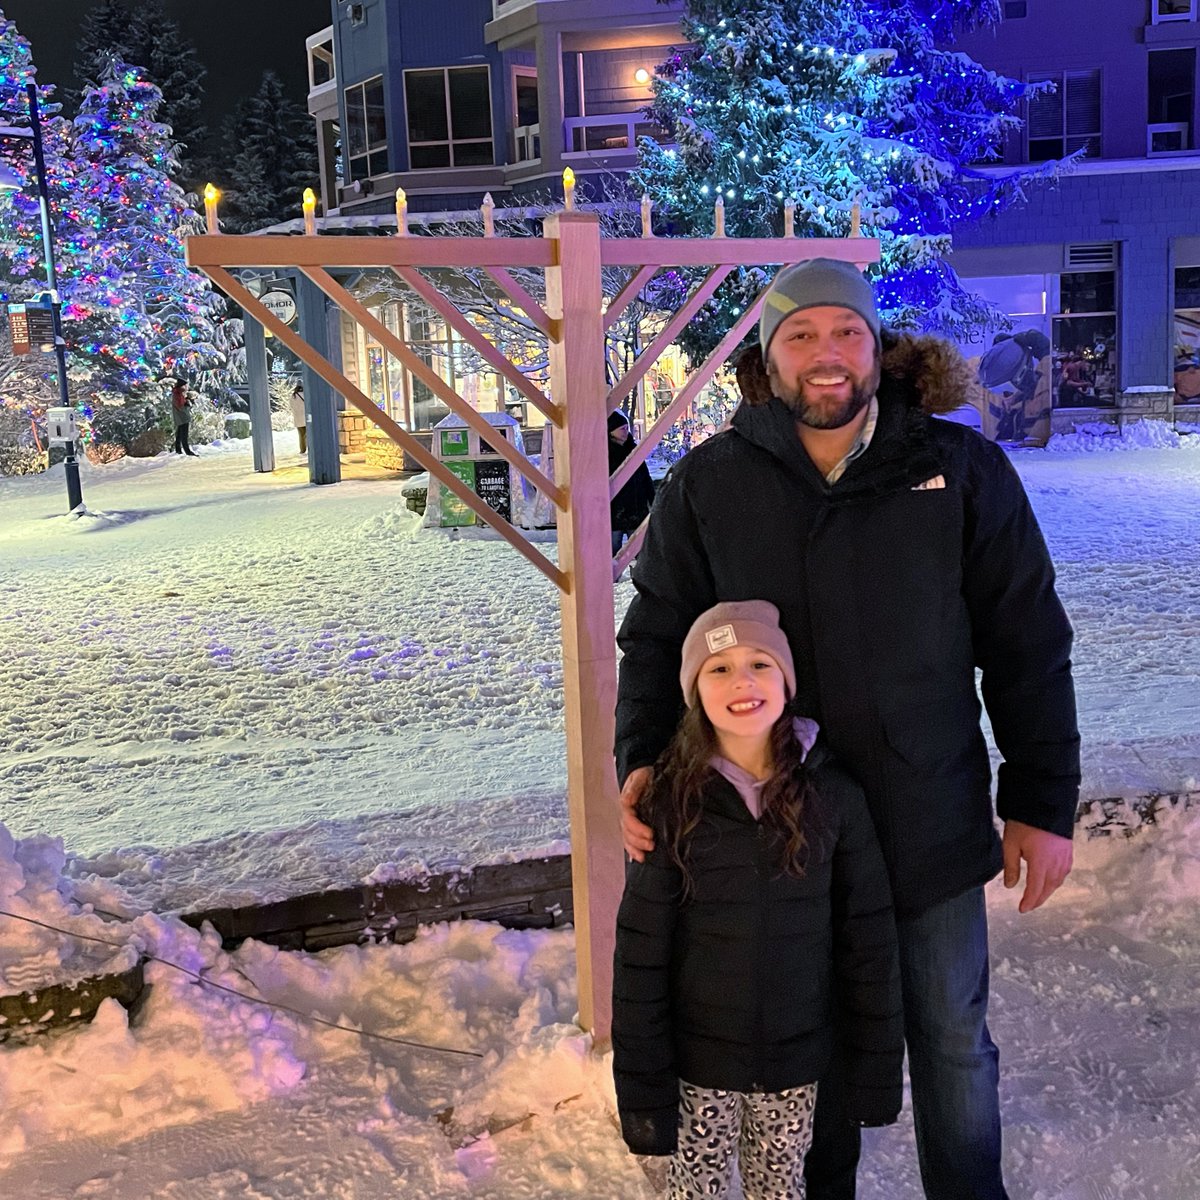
{"points": [[211, 196], [568, 189]]}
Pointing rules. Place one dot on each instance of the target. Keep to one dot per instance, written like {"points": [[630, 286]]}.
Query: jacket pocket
{"points": [[931, 735]]}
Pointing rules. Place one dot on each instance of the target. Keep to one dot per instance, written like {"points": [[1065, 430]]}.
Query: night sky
{"points": [[236, 39]]}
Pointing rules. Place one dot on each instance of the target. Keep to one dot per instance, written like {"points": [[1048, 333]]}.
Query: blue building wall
{"points": [[1151, 215]]}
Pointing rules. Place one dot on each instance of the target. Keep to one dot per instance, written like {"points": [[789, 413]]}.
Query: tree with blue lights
{"points": [[134, 308], [830, 104]]}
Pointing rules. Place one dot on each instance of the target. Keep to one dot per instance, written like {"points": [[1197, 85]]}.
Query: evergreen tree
{"points": [[832, 103], [135, 309], [149, 39], [272, 147], [26, 382]]}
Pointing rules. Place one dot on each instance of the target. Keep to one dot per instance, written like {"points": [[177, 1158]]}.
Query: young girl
{"points": [[757, 938]]}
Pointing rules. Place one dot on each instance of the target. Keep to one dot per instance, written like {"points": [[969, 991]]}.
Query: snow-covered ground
{"points": [[204, 1096], [224, 686], [221, 686]]}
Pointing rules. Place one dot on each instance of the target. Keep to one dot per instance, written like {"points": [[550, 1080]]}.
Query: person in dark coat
{"points": [[631, 504], [181, 417], [902, 554], [757, 935]]}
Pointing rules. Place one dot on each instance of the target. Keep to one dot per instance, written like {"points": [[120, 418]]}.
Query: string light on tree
{"points": [[832, 105]]}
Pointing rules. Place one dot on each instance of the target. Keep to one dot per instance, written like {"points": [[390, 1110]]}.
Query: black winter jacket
{"points": [[631, 504], [922, 563], [748, 984]]}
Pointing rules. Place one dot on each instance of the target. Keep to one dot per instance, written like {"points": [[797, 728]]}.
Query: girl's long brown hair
{"points": [[673, 803]]}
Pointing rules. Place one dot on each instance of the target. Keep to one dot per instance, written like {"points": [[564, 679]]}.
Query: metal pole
{"points": [[71, 464]]}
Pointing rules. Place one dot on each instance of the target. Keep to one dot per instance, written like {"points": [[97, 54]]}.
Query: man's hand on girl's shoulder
{"points": [[638, 838]]}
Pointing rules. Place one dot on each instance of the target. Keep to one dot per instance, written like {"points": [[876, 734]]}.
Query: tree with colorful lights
{"points": [[830, 104], [26, 382], [134, 308], [147, 38]]}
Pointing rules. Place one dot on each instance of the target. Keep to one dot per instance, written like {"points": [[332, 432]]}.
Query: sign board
{"points": [[280, 304], [41, 326], [454, 511], [18, 325], [454, 443], [493, 485], [31, 326]]}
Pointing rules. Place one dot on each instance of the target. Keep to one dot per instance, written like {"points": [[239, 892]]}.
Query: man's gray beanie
{"points": [[811, 284]]}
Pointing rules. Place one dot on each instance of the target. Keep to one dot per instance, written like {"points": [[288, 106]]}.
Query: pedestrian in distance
{"points": [[181, 417], [764, 899], [903, 556], [299, 417], [632, 503]]}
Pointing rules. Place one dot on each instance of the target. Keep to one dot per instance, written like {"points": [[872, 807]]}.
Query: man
{"points": [[902, 553]]}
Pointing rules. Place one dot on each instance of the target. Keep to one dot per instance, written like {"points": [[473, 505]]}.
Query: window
{"points": [[1172, 10], [1186, 350], [1066, 119], [526, 130], [449, 117], [320, 62], [1084, 336], [1015, 9], [1171, 90], [366, 130]]}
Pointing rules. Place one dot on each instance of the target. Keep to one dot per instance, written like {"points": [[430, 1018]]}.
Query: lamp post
{"points": [[9, 182]]}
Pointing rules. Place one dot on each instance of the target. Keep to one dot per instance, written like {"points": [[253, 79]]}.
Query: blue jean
{"points": [[953, 1065]]}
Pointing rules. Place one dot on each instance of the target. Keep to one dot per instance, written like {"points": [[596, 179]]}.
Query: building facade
{"points": [[467, 97], [1105, 262]]}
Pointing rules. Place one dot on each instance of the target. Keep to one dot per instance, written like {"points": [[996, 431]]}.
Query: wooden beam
{"points": [[626, 296], [489, 353], [275, 250], [432, 380], [733, 252], [686, 394], [525, 302], [629, 551], [336, 380], [573, 296], [666, 336]]}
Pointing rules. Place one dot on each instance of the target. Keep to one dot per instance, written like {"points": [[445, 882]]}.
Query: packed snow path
{"points": [[225, 686], [204, 1097]]}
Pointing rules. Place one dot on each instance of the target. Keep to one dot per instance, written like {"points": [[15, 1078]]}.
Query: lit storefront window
{"points": [[1187, 335], [1085, 340]]}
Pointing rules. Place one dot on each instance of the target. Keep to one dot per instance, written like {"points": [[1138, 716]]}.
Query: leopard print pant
{"points": [[766, 1135]]}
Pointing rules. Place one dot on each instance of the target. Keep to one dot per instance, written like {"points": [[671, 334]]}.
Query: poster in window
{"points": [[1187, 357], [493, 485]]}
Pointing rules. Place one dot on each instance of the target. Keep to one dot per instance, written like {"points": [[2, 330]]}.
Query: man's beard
{"points": [[819, 416]]}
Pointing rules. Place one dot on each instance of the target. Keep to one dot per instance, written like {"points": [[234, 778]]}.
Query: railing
{"points": [[608, 134], [527, 143]]}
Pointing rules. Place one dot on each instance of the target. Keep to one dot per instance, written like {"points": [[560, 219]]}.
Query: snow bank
{"points": [[1091, 437]]}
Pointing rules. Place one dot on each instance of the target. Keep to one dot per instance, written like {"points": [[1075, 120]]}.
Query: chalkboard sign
{"points": [[493, 486]]}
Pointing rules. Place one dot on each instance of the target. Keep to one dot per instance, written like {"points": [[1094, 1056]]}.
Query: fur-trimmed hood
{"points": [[930, 370]]}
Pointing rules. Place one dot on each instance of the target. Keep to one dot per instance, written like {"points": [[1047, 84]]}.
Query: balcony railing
{"points": [[608, 134], [527, 143]]}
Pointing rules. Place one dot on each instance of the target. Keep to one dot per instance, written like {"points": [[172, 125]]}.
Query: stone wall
{"points": [[352, 432]]}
